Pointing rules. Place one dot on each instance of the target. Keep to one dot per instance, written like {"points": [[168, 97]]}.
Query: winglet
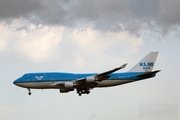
{"points": [[123, 66]]}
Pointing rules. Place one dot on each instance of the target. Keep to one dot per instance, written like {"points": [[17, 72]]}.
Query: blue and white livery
{"points": [[83, 83]]}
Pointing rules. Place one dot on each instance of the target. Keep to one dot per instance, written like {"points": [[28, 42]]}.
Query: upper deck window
{"points": [[25, 75]]}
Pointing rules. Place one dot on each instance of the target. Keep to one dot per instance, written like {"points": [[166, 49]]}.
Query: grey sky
{"points": [[134, 15], [121, 102], [88, 36]]}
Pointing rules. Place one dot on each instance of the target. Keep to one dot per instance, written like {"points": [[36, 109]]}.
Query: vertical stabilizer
{"points": [[146, 64]]}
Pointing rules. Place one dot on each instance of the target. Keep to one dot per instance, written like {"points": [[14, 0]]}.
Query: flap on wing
{"points": [[81, 80]]}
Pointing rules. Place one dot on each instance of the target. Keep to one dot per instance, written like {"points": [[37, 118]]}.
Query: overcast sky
{"points": [[89, 36]]}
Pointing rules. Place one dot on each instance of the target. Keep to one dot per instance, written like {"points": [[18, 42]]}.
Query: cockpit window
{"points": [[24, 75]]}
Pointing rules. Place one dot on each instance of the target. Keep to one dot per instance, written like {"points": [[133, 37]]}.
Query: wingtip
{"points": [[124, 65]]}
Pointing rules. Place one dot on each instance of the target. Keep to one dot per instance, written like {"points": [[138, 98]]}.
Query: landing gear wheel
{"points": [[29, 93], [88, 92], [79, 92], [82, 91]]}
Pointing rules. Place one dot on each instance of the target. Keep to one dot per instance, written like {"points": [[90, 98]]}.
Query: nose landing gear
{"points": [[29, 93]]}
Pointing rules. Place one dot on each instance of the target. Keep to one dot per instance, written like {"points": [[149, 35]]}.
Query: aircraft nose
{"points": [[15, 82]]}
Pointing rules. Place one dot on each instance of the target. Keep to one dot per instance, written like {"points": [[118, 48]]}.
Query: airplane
{"points": [[85, 82]]}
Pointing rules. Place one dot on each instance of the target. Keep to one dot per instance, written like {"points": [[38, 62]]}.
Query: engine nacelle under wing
{"points": [[66, 85], [91, 79], [69, 85], [64, 90]]}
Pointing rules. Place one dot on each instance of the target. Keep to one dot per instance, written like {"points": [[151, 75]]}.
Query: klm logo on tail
{"points": [[146, 65]]}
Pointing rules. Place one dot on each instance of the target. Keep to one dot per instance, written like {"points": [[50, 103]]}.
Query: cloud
{"points": [[18, 8], [40, 43], [35, 42], [94, 41], [169, 14], [133, 15], [81, 48]]}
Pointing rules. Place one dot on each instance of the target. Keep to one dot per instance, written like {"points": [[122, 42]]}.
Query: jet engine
{"points": [[64, 90], [91, 79], [69, 85]]}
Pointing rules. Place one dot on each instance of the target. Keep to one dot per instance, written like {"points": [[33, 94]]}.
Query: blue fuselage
{"points": [[46, 80]]}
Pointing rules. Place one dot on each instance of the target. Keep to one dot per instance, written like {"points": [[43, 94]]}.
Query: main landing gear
{"points": [[29, 93], [80, 92]]}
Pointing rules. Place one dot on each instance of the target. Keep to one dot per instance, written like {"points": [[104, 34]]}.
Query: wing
{"points": [[105, 74], [100, 76], [84, 85]]}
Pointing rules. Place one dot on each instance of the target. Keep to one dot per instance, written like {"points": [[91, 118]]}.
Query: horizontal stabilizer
{"points": [[148, 74]]}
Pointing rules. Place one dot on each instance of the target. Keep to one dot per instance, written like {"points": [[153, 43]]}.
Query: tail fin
{"points": [[146, 64]]}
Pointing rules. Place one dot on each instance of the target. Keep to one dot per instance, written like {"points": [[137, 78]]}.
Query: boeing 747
{"points": [[85, 82]]}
